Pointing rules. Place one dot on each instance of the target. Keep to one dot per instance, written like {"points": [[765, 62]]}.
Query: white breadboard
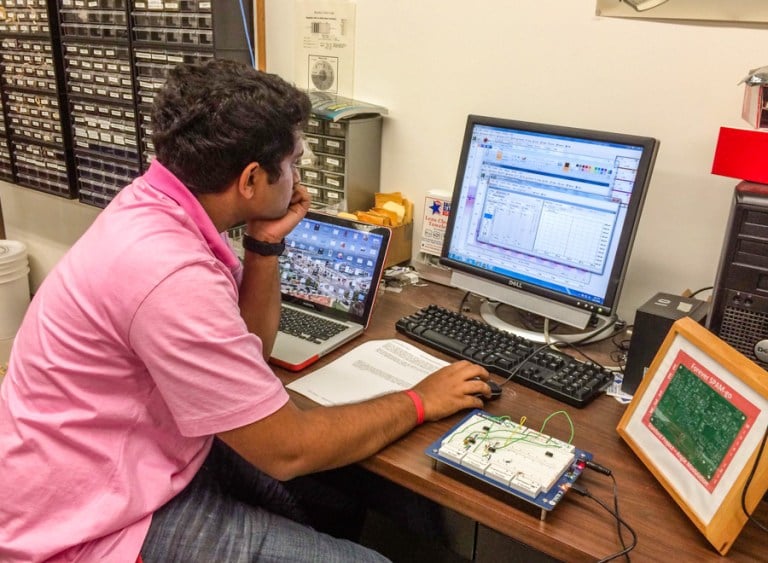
{"points": [[529, 464]]}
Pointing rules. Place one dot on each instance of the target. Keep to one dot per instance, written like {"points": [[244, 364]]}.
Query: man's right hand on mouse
{"points": [[460, 385]]}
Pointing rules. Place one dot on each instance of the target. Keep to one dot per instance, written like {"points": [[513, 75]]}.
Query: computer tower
{"points": [[739, 311]]}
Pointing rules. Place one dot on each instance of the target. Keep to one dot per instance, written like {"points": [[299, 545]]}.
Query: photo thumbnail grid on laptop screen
{"points": [[329, 265]]}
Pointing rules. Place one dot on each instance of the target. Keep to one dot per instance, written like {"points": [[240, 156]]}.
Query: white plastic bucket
{"points": [[14, 286]]}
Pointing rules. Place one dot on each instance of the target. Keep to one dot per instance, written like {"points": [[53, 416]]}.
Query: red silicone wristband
{"points": [[418, 404]]}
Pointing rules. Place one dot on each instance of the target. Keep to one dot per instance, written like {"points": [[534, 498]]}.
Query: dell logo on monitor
{"points": [[516, 284]]}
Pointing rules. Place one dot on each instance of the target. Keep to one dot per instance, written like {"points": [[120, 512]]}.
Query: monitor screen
{"points": [[543, 216]]}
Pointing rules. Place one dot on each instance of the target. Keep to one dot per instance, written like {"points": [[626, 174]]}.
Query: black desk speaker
{"points": [[652, 323], [739, 312]]}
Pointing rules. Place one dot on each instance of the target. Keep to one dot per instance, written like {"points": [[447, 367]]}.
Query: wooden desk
{"points": [[577, 529]]}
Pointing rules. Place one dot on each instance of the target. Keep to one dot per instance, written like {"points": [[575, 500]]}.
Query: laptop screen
{"points": [[333, 265]]}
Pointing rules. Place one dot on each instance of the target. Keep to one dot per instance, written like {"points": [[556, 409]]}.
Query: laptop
{"points": [[329, 276]]}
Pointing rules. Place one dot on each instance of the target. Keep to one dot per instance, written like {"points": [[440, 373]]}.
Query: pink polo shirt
{"points": [[131, 356]]}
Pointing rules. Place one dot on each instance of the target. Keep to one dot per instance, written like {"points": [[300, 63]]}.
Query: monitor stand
{"points": [[508, 318]]}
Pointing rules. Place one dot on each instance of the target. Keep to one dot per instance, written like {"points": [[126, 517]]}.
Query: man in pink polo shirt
{"points": [[139, 415]]}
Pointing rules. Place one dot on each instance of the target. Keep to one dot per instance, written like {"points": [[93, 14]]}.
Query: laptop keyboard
{"points": [[308, 327]]}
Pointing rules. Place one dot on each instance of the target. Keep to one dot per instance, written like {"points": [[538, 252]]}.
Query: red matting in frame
{"points": [[749, 410]]}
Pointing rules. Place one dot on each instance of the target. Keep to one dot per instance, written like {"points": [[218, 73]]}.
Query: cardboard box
{"points": [[753, 109], [400, 244], [740, 153]]}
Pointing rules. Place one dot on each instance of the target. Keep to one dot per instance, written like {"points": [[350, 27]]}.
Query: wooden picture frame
{"points": [[697, 422]]}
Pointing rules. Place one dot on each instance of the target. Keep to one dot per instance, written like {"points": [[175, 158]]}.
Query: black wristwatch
{"points": [[263, 248]]}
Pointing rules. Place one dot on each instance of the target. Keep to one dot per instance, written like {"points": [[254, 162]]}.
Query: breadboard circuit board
{"points": [[528, 464]]}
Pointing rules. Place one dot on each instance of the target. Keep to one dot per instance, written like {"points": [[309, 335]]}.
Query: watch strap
{"points": [[263, 248]]}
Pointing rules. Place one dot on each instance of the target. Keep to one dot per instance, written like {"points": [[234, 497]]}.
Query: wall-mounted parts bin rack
{"points": [[95, 45], [77, 94], [36, 125]]}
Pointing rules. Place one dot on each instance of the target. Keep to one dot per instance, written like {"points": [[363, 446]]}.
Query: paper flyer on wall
{"points": [[325, 46]]}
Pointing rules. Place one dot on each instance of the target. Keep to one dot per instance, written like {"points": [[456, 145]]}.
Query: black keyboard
{"points": [[309, 327], [543, 369]]}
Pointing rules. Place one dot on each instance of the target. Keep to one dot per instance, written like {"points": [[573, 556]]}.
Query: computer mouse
{"points": [[495, 391]]}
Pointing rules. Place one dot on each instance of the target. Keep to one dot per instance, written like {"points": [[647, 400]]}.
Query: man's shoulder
{"points": [[146, 223], [135, 243]]}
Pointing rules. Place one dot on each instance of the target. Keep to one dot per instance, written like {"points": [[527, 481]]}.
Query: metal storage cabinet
{"points": [[343, 170]]}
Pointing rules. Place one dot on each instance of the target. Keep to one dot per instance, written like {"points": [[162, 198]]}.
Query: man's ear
{"points": [[249, 179]]}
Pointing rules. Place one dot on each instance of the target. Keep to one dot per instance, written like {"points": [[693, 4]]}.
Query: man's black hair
{"points": [[210, 120]]}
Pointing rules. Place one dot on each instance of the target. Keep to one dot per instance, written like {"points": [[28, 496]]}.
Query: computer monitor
{"points": [[543, 218]]}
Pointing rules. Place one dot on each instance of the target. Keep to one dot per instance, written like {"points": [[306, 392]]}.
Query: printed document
{"points": [[372, 369]]}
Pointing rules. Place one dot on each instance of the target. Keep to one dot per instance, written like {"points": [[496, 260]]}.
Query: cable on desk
{"points": [[620, 359], [599, 468], [616, 509], [616, 324], [695, 293], [522, 362], [576, 348], [581, 352], [541, 347], [594, 466], [622, 349], [589, 339], [547, 335], [463, 302], [749, 481], [619, 521]]}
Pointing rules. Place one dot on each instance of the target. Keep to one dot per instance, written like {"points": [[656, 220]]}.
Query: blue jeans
{"points": [[231, 512]]}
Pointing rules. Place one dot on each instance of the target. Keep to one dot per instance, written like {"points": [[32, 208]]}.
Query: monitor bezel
{"points": [[649, 146]]}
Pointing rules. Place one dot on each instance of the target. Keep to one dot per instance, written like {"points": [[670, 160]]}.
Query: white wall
{"points": [[47, 224], [431, 62]]}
